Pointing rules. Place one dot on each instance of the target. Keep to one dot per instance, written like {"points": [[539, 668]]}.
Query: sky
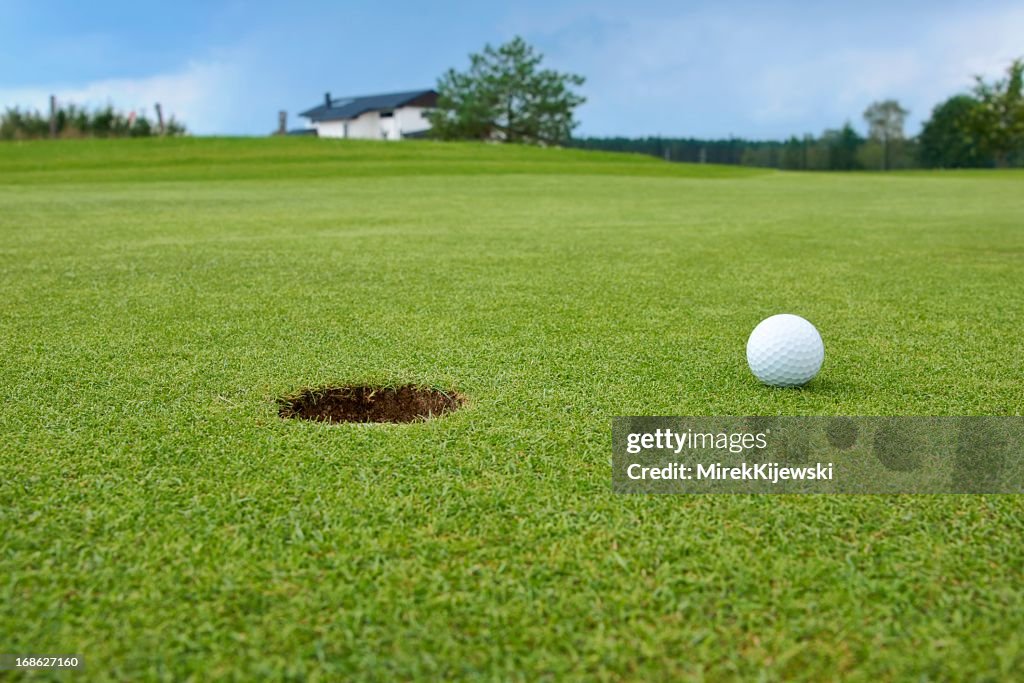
{"points": [[759, 70]]}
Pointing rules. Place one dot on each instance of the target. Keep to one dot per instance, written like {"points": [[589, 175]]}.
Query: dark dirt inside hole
{"points": [[369, 404]]}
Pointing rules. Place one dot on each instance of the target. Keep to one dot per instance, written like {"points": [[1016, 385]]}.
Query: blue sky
{"points": [[704, 69]]}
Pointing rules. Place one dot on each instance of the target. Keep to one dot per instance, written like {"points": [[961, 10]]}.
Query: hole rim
{"points": [[302, 403]]}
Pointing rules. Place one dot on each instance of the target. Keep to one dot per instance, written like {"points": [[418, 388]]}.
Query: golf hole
{"points": [[408, 403]]}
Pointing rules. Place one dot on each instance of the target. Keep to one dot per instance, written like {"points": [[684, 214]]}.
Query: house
{"points": [[374, 117]]}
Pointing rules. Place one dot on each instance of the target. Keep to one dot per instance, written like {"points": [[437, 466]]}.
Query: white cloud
{"points": [[974, 43], [200, 95]]}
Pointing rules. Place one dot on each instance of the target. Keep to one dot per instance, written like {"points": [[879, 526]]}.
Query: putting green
{"points": [[160, 520]]}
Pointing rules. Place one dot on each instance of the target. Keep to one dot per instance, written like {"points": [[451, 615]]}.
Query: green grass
{"points": [[175, 159], [159, 519]]}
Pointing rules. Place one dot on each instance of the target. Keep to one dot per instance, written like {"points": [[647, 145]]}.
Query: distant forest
{"points": [[982, 129], [844, 150]]}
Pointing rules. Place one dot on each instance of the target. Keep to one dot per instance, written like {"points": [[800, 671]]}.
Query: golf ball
{"points": [[785, 351]]}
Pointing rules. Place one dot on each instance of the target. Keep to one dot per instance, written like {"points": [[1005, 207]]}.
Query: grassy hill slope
{"points": [[300, 157]]}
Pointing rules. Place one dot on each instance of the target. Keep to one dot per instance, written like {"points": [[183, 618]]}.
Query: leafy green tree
{"points": [[998, 123], [947, 139], [842, 147], [505, 96], [871, 154], [795, 154], [885, 125]]}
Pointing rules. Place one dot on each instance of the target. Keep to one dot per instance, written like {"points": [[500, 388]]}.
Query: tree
{"points": [[947, 140], [998, 122], [794, 155], [506, 96], [842, 147], [885, 125]]}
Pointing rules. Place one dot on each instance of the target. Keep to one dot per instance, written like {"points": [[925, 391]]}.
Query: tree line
{"points": [[980, 129], [504, 96], [841, 149], [72, 121]]}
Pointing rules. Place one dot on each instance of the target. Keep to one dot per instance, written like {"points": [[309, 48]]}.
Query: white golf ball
{"points": [[785, 351]]}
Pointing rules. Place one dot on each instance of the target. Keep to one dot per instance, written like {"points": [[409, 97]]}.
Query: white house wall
{"points": [[330, 129], [366, 127], [371, 126], [389, 127], [411, 119]]}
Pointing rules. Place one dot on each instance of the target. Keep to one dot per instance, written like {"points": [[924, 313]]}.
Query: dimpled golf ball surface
{"points": [[785, 351]]}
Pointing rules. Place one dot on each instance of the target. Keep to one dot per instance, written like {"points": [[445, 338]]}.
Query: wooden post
{"points": [[53, 116], [159, 118], [282, 123]]}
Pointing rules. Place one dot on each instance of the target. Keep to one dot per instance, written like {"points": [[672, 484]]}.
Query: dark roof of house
{"points": [[351, 107]]}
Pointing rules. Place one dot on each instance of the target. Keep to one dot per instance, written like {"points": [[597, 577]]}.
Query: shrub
{"points": [[74, 121]]}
